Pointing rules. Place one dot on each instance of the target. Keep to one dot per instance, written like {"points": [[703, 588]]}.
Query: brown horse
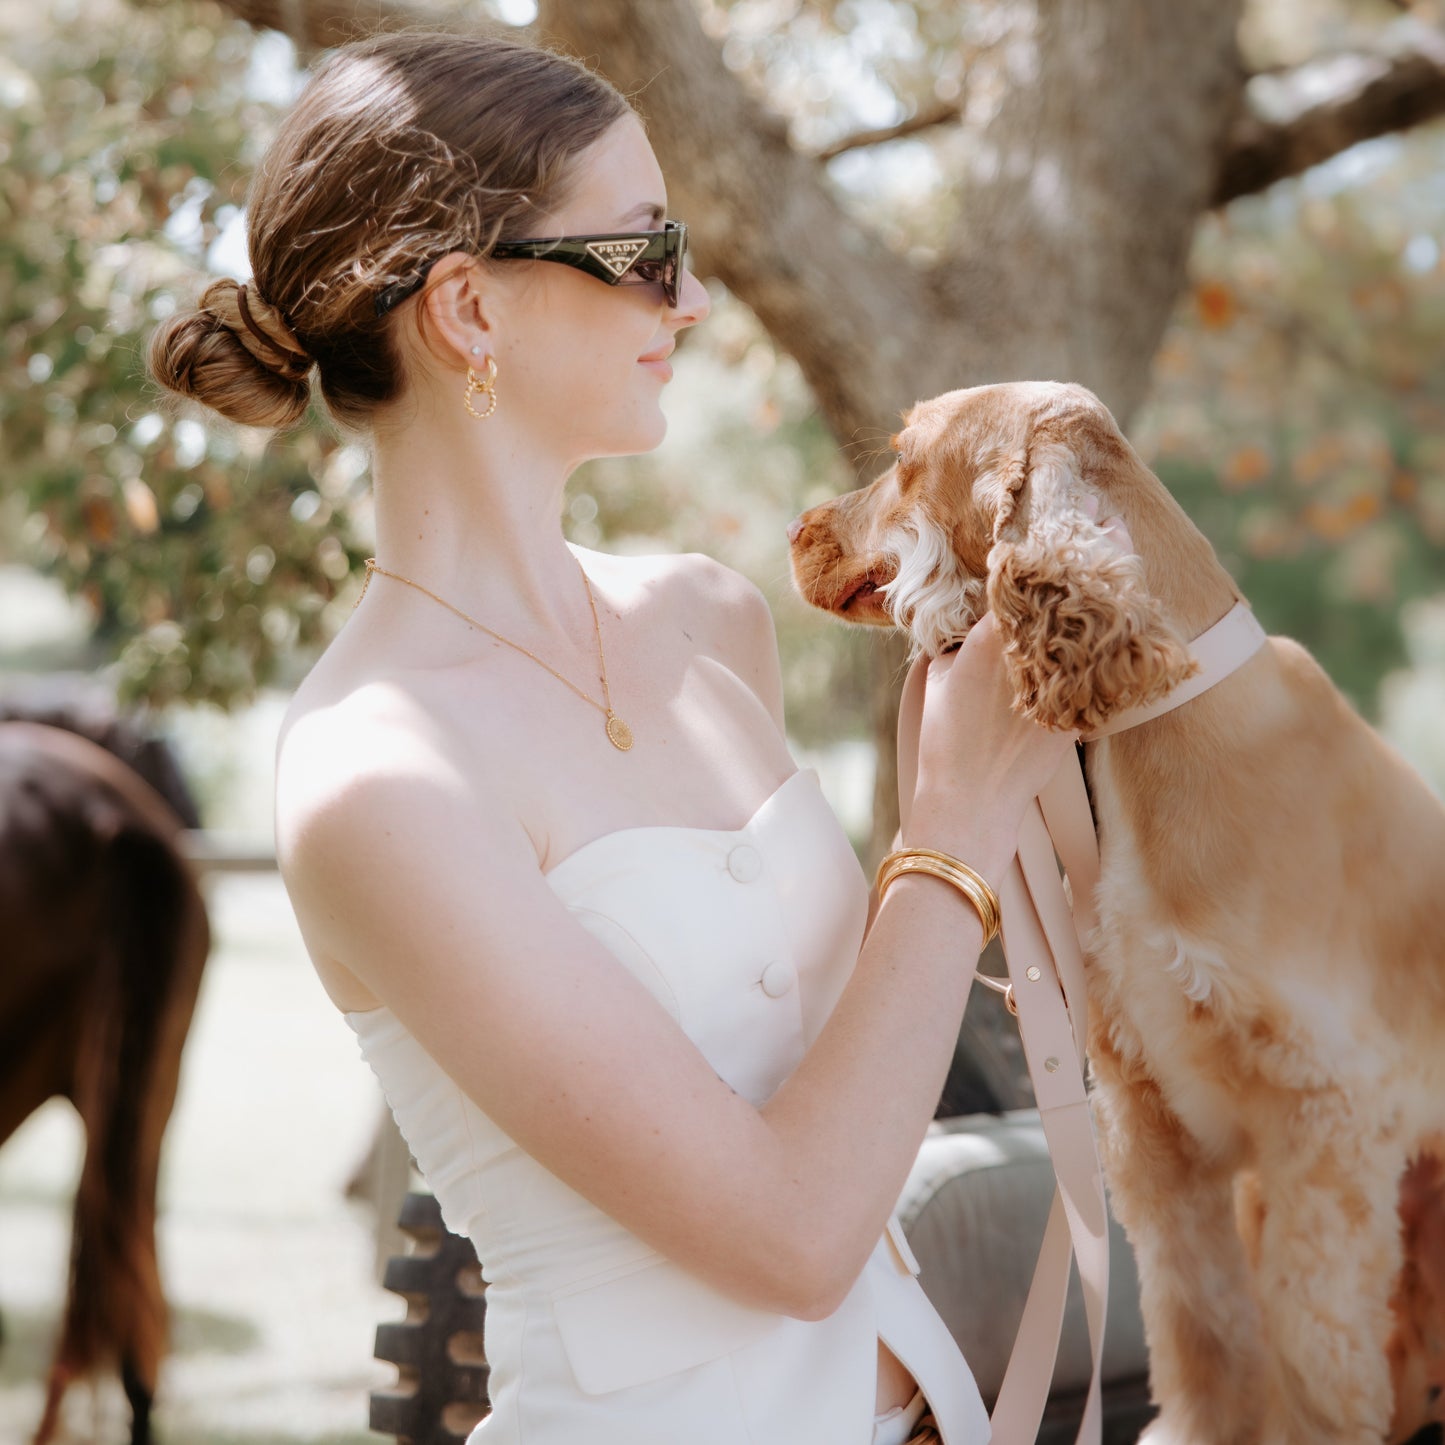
{"points": [[103, 935]]}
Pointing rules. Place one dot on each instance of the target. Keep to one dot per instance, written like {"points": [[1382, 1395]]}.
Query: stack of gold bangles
{"points": [[951, 870]]}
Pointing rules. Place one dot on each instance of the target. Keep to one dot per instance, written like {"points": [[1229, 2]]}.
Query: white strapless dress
{"points": [[747, 938]]}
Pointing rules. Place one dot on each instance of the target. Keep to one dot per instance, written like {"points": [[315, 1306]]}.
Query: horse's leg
{"points": [[95, 1291], [127, 1072], [60, 1380], [166, 940], [141, 1397], [37, 1071]]}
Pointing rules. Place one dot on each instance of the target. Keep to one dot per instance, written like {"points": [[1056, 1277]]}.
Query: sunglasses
{"points": [[630, 258]]}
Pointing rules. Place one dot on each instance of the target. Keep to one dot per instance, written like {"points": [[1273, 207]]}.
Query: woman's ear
{"points": [[1084, 640], [455, 311]]}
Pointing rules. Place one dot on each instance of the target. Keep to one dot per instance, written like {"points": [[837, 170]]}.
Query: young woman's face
{"points": [[586, 360]]}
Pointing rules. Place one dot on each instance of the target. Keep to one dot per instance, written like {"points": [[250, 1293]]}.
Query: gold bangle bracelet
{"points": [[952, 870]]}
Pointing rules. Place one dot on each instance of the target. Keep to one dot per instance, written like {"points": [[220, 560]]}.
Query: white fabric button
{"points": [[778, 977], [744, 863]]}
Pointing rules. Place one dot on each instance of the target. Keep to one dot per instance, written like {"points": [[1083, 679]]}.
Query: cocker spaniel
{"points": [[1267, 981]]}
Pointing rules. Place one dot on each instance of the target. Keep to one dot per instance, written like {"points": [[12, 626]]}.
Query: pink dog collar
{"points": [[1229, 644]]}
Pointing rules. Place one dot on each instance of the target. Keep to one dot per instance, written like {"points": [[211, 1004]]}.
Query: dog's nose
{"points": [[794, 527]]}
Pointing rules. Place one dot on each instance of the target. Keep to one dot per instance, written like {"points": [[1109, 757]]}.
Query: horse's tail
{"points": [[128, 1065]]}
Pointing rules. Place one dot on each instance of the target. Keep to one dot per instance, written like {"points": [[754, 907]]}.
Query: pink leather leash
{"points": [[1041, 936]]}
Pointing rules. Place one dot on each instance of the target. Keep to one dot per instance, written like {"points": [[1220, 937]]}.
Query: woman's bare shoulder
{"points": [[341, 717], [362, 772], [711, 581], [708, 592], [720, 612], [358, 748], [740, 622]]}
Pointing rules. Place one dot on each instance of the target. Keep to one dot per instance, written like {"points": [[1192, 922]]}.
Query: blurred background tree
{"points": [[1298, 401], [204, 555], [884, 220]]}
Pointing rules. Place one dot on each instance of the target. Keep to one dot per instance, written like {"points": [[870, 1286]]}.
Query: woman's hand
{"points": [[979, 764], [976, 764]]}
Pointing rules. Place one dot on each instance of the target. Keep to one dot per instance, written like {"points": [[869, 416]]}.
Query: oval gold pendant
{"points": [[618, 733]]}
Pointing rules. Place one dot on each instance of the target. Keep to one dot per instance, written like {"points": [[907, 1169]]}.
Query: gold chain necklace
{"points": [[618, 733]]}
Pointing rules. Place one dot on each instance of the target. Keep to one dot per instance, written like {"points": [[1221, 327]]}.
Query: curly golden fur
{"points": [[1267, 981], [1084, 637]]}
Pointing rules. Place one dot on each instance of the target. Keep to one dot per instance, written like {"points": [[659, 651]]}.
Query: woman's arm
{"points": [[427, 889]]}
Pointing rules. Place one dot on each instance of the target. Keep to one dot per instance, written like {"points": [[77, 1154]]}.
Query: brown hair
{"points": [[401, 149]]}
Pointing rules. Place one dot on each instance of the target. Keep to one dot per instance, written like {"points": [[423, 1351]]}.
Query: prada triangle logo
{"points": [[618, 256]]}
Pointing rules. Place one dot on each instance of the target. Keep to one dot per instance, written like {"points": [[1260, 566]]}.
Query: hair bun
{"points": [[236, 354], [279, 347]]}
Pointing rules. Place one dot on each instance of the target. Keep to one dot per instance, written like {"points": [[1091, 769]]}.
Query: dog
{"points": [[1267, 979]]}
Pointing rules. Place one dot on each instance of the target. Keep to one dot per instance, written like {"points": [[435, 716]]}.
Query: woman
{"points": [[601, 942]]}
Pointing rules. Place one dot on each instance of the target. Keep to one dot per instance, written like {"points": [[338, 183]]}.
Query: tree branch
{"points": [[940, 114], [318, 24], [1295, 119]]}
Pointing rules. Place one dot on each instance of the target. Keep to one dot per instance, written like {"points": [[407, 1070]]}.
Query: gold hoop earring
{"points": [[484, 384]]}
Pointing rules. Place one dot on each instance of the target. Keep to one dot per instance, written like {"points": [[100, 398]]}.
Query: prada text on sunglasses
{"points": [[627, 258]]}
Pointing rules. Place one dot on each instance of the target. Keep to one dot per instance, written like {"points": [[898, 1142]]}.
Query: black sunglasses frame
{"points": [[622, 257]]}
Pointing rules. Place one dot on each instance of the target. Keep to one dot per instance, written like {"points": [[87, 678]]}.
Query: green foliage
{"points": [[206, 557], [1298, 410]]}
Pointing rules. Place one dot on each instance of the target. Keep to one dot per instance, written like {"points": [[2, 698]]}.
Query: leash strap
{"points": [[1041, 933], [1046, 966]]}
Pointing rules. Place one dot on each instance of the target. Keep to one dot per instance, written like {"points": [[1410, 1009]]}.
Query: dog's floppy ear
{"points": [[1084, 638]]}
